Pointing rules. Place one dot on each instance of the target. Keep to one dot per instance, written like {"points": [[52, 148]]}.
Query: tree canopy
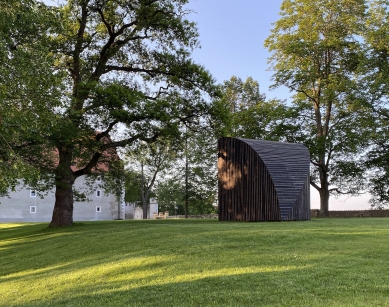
{"points": [[30, 85], [126, 74], [316, 52], [249, 114], [373, 91]]}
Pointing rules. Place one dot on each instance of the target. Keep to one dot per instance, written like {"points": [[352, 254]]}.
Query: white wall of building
{"points": [[22, 205], [132, 211]]}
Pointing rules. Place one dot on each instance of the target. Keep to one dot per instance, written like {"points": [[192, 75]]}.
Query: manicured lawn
{"points": [[323, 262]]}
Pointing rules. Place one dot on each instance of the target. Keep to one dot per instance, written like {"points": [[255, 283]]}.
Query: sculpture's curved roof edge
{"points": [[275, 144]]}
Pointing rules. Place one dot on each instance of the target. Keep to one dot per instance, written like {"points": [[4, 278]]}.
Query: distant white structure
{"points": [[25, 205], [132, 211]]}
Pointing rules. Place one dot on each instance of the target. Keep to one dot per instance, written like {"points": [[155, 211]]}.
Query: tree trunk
{"points": [[186, 190], [186, 179], [145, 204], [324, 200], [144, 193], [64, 180], [186, 204], [324, 193]]}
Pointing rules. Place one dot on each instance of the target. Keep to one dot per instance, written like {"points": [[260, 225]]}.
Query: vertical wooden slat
{"points": [[248, 191]]}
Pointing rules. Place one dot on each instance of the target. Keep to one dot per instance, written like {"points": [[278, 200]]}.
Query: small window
{"points": [[32, 209], [98, 179], [32, 193], [98, 208], [98, 193]]}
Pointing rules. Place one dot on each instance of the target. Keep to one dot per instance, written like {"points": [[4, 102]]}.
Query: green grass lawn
{"points": [[323, 262]]}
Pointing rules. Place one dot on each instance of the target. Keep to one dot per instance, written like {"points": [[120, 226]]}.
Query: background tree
{"points": [[171, 196], [199, 171], [148, 161], [191, 184], [250, 114], [315, 53], [239, 97], [129, 77], [132, 185]]}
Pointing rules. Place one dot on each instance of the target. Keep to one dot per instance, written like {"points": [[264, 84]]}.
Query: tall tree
{"points": [[133, 181], [315, 50], [199, 171], [170, 193], [374, 92], [239, 96], [129, 78]]}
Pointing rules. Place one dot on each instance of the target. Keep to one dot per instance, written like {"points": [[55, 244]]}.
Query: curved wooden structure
{"points": [[263, 180]]}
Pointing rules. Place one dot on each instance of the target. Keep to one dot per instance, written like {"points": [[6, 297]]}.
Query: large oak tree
{"points": [[129, 77]]}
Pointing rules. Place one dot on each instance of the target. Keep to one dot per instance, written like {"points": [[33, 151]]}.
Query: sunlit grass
{"points": [[323, 262]]}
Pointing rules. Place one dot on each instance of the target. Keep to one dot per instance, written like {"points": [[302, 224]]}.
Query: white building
{"points": [[135, 212], [25, 205]]}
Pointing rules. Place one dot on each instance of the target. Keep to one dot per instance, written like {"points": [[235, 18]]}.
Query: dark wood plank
{"points": [[262, 180]]}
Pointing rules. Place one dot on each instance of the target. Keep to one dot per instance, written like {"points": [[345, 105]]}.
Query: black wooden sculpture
{"points": [[263, 180]]}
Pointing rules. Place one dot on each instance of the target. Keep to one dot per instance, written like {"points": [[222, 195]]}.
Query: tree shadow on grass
{"points": [[296, 287], [87, 244], [41, 247], [187, 264]]}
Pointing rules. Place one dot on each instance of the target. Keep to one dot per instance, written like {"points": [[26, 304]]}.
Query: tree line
{"points": [[88, 80]]}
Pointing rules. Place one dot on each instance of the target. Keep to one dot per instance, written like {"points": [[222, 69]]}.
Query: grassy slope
{"points": [[323, 262]]}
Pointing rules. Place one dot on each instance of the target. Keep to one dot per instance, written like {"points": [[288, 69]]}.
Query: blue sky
{"points": [[232, 34]]}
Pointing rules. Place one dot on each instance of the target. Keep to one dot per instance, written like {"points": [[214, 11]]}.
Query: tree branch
{"points": [[107, 25], [315, 186], [303, 92], [338, 191], [105, 133]]}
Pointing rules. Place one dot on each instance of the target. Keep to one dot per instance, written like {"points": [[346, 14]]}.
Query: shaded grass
{"points": [[323, 262]]}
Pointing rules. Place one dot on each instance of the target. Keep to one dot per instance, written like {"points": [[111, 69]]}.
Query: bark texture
{"points": [[64, 180]]}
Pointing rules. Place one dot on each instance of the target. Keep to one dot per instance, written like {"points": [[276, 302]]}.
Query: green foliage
{"points": [[316, 52], [125, 74], [374, 92], [377, 158], [191, 180], [171, 196], [29, 90], [249, 114], [196, 262], [132, 187], [145, 164], [199, 173]]}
